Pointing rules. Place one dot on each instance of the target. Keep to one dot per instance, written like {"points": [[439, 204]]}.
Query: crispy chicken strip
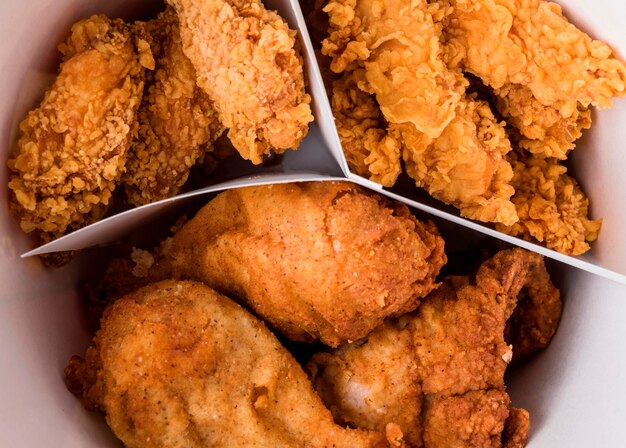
{"points": [[177, 121], [72, 149], [466, 165], [538, 63], [551, 206], [370, 150], [398, 45], [176, 364], [321, 260], [452, 144], [245, 59], [438, 373]]}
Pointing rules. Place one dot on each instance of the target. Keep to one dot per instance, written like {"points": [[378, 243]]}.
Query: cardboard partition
{"points": [[574, 390]]}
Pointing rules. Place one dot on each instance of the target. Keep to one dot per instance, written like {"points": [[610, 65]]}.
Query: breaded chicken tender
{"points": [[320, 260], [176, 364], [466, 165], [438, 373], [72, 149], [246, 60], [551, 206], [451, 143], [370, 150], [546, 71], [177, 121]]}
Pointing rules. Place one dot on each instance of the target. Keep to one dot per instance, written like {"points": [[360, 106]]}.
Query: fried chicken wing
{"points": [[177, 121], [551, 206], [451, 143], [72, 149], [321, 260], [371, 151], [546, 71], [438, 372], [246, 60], [176, 364]]}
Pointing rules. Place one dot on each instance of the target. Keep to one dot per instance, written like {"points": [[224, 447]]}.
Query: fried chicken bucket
{"points": [[572, 389]]}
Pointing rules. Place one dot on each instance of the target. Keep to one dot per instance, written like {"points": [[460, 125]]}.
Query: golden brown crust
{"points": [[438, 373], [72, 149], [176, 364], [246, 61], [177, 121], [551, 206], [321, 260]]}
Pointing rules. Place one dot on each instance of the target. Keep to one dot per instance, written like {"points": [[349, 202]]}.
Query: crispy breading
{"points": [[370, 150], [246, 60], [177, 121], [540, 64], [466, 165], [72, 149], [551, 206], [320, 260], [438, 372], [177, 364]]}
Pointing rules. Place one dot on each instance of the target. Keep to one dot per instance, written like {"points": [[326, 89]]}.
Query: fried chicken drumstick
{"points": [[176, 364], [438, 373]]}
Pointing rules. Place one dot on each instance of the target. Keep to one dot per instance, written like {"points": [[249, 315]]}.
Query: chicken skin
{"points": [[247, 62], [175, 364], [438, 373], [177, 121], [73, 147]]}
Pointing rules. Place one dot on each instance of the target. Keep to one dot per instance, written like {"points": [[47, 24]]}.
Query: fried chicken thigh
{"points": [[545, 70], [177, 121], [72, 149], [176, 364], [246, 60], [438, 373], [321, 260]]}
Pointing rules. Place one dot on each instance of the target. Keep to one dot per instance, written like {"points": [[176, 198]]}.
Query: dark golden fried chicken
{"points": [[321, 260], [551, 206], [177, 121], [438, 373], [72, 149], [245, 59], [176, 364]]}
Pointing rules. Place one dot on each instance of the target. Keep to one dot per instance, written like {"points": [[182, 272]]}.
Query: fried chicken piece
{"points": [[472, 420], [397, 45], [516, 429], [72, 149], [176, 364], [438, 372], [551, 206], [370, 150], [466, 165], [451, 143], [543, 131], [540, 65], [321, 260], [177, 121], [247, 61]]}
